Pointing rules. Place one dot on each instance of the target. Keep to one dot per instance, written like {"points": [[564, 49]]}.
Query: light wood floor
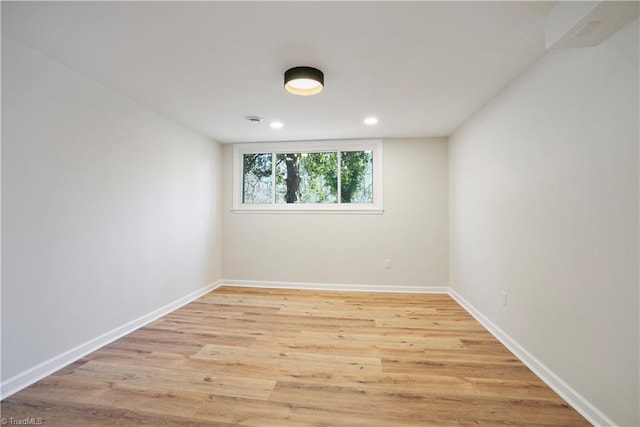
{"points": [[259, 357]]}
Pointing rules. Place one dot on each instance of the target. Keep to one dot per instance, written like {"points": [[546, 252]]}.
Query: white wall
{"points": [[351, 248], [109, 210], [544, 205]]}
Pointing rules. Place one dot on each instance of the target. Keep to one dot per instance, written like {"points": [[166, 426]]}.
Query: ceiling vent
{"points": [[254, 120], [572, 24], [585, 29]]}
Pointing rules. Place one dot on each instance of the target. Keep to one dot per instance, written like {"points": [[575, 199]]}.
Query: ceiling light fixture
{"points": [[371, 121], [276, 125], [303, 81]]}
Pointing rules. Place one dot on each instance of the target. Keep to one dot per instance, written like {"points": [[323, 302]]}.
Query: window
{"points": [[319, 176]]}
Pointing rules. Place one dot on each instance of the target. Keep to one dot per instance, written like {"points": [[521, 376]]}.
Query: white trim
{"points": [[564, 390], [412, 289], [48, 367], [374, 145], [311, 210]]}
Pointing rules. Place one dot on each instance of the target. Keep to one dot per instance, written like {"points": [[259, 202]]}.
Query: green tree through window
{"points": [[308, 178], [257, 178]]}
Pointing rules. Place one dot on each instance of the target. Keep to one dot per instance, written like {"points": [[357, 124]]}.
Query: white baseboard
{"points": [[564, 390], [572, 397], [48, 367], [338, 287]]}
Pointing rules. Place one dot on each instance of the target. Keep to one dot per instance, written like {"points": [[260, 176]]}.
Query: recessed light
{"points": [[371, 121], [276, 125]]}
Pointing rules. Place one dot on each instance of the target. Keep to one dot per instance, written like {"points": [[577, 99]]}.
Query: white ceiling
{"points": [[422, 67]]}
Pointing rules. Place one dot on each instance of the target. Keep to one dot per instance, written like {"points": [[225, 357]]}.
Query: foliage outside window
{"points": [[323, 176]]}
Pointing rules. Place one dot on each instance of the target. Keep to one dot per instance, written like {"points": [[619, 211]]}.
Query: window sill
{"points": [[313, 211]]}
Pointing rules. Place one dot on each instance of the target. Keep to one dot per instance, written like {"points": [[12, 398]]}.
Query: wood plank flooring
{"points": [[264, 357]]}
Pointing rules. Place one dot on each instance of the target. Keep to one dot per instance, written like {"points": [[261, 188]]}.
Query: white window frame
{"points": [[373, 145]]}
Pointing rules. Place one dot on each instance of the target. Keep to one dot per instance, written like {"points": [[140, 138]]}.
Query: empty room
{"points": [[320, 213]]}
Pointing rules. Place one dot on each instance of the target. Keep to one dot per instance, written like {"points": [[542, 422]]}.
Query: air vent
{"points": [[254, 120], [585, 29]]}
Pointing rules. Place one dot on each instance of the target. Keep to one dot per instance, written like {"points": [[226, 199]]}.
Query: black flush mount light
{"points": [[303, 81]]}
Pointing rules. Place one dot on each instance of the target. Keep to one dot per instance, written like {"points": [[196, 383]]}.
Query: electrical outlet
{"points": [[504, 298], [387, 264]]}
